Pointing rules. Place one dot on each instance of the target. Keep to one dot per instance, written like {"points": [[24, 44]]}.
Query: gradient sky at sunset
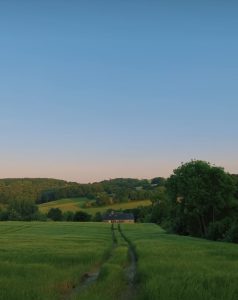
{"points": [[91, 90]]}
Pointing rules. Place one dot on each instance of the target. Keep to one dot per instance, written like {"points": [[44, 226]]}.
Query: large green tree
{"points": [[200, 194]]}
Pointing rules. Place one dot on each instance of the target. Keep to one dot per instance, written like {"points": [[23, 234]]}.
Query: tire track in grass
{"points": [[131, 270], [15, 229], [87, 279], [129, 292]]}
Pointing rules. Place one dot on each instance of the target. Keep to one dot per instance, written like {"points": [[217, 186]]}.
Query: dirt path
{"points": [[92, 276], [130, 271]]}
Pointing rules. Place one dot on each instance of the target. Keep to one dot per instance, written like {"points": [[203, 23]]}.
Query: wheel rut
{"points": [[88, 278], [131, 270], [91, 277]]}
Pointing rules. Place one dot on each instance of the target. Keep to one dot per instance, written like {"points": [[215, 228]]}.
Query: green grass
{"points": [[74, 204], [111, 283], [172, 267], [44, 260], [68, 204]]}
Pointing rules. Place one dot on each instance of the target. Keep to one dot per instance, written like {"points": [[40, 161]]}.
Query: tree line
{"points": [[28, 211]]}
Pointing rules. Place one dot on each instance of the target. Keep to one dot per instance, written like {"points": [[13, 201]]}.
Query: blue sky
{"points": [[91, 90]]}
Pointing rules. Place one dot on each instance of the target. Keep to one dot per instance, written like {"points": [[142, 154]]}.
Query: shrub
{"points": [[4, 215], [232, 234], [218, 230], [81, 216], [97, 217], [55, 214], [68, 216]]}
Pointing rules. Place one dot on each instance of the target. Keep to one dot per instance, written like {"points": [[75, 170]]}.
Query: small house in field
{"points": [[118, 217]]}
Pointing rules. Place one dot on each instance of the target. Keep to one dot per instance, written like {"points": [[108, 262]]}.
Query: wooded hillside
{"points": [[41, 190]]}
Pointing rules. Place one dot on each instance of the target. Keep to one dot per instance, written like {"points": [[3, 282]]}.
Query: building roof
{"points": [[118, 216]]}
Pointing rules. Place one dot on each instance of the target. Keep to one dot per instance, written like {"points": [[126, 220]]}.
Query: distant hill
{"points": [[42, 190], [27, 188]]}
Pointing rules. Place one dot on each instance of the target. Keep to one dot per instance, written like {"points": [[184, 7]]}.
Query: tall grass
{"points": [[111, 283], [45, 260], [172, 267], [49, 260]]}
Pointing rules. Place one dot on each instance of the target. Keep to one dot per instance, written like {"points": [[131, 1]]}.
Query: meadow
{"points": [[183, 268], [45, 260], [93, 261], [75, 204]]}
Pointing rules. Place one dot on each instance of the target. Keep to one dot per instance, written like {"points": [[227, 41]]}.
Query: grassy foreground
{"points": [[44, 260], [75, 204], [172, 267], [54, 261]]}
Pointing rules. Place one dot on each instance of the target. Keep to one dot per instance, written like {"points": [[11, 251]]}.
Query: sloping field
{"points": [[94, 261], [74, 204], [173, 267], [67, 204]]}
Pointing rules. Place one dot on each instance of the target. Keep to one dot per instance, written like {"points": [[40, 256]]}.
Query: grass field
{"points": [[74, 204], [173, 267], [44, 260], [90, 261], [68, 204]]}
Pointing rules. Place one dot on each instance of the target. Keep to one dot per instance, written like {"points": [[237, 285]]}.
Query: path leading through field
{"points": [[122, 255], [130, 271]]}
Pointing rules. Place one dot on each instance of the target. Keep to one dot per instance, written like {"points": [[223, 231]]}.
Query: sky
{"points": [[92, 90]]}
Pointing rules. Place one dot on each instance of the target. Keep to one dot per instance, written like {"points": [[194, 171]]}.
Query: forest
{"points": [[40, 190]]}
